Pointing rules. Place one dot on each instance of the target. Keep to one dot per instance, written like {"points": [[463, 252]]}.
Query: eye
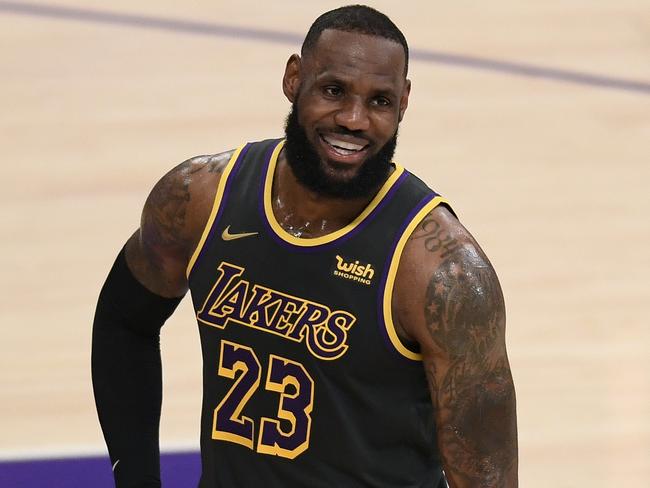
{"points": [[381, 101], [332, 91]]}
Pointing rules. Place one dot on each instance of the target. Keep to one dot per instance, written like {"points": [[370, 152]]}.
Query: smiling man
{"points": [[353, 332]]}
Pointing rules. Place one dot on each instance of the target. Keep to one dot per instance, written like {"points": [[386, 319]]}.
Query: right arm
{"points": [[172, 222], [142, 290]]}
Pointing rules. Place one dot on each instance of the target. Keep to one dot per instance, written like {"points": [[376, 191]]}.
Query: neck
{"points": [[305, 213]]}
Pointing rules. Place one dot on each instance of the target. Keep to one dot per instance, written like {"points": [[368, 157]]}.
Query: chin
{"points": [[340, 172]]}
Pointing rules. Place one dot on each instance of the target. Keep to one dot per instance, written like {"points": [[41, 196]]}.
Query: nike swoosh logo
{"points": [[227, 236]]}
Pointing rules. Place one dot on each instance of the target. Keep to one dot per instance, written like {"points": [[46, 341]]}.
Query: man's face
{"points": [[348, 94]]}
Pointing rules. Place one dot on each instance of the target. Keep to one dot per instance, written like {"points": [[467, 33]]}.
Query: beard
{"points": [[312, 172]]}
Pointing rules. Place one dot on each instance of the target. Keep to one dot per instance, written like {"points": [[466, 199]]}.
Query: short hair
{"points": [[356, 18]]}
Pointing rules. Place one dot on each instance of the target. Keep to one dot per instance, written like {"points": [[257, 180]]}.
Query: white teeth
{"points": [[343, 144], [343, 152]]}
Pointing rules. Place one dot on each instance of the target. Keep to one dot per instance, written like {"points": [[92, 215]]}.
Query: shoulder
{"points": [[180, 203], [172, 222], [444, 283]]}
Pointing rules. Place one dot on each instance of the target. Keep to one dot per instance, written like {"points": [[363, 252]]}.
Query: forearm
{"points": [[124, 364], [127, 376], [477, 428]]}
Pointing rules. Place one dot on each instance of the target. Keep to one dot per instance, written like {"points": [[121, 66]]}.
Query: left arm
{"points": [[448, 298]]}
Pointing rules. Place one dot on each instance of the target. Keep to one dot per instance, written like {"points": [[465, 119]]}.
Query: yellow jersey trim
{"points": [[390, 280], [221, 187], [303, 242]]}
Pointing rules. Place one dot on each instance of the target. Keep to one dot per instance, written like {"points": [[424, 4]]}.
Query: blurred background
{"points": [[532, 118]]}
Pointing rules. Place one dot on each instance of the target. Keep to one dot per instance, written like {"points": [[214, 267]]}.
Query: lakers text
{"points": [[234, 299]]}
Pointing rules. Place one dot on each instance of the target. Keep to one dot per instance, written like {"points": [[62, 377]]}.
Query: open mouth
{"points": [[343, 147]]}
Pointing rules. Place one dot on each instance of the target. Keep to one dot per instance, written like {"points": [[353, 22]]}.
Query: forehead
{"points": [[351, 54]]}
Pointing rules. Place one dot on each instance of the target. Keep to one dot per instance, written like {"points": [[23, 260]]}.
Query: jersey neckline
{"points": [[359, 220]]}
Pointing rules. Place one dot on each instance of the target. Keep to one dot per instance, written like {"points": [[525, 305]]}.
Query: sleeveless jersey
{"points": [[306, 382]]}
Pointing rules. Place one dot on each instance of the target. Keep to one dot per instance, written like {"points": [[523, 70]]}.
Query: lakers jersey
{"points": [[306, 382]]}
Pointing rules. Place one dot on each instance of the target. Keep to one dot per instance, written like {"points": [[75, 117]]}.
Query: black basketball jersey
{"points": [[306, 383]]}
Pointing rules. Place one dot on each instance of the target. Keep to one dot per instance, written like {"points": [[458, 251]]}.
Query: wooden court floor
{"points": [[532, 118]]}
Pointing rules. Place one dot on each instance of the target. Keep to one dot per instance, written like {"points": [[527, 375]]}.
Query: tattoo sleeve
{"points": [[165, 211], [164, 219], [171, 224], [469, 375]]}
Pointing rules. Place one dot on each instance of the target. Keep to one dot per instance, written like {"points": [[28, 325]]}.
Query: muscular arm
{"points": [[172, 222], [451, 303], [141, 291]]}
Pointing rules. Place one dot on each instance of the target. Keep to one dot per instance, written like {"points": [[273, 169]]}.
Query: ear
{"points": [[404, 99], [291, 78]]}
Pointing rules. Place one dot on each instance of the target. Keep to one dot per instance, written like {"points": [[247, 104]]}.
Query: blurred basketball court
{"points": [[532, 118]]}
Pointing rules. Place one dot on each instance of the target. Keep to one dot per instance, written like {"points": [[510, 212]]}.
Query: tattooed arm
{"points": [[448, 298], [172, 223], [142, 290]]}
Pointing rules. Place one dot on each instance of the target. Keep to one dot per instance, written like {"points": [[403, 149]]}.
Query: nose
{"points": [[353, 115]]}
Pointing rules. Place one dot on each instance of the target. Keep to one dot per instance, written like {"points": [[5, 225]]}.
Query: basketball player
{"points": [[352, 329]]}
